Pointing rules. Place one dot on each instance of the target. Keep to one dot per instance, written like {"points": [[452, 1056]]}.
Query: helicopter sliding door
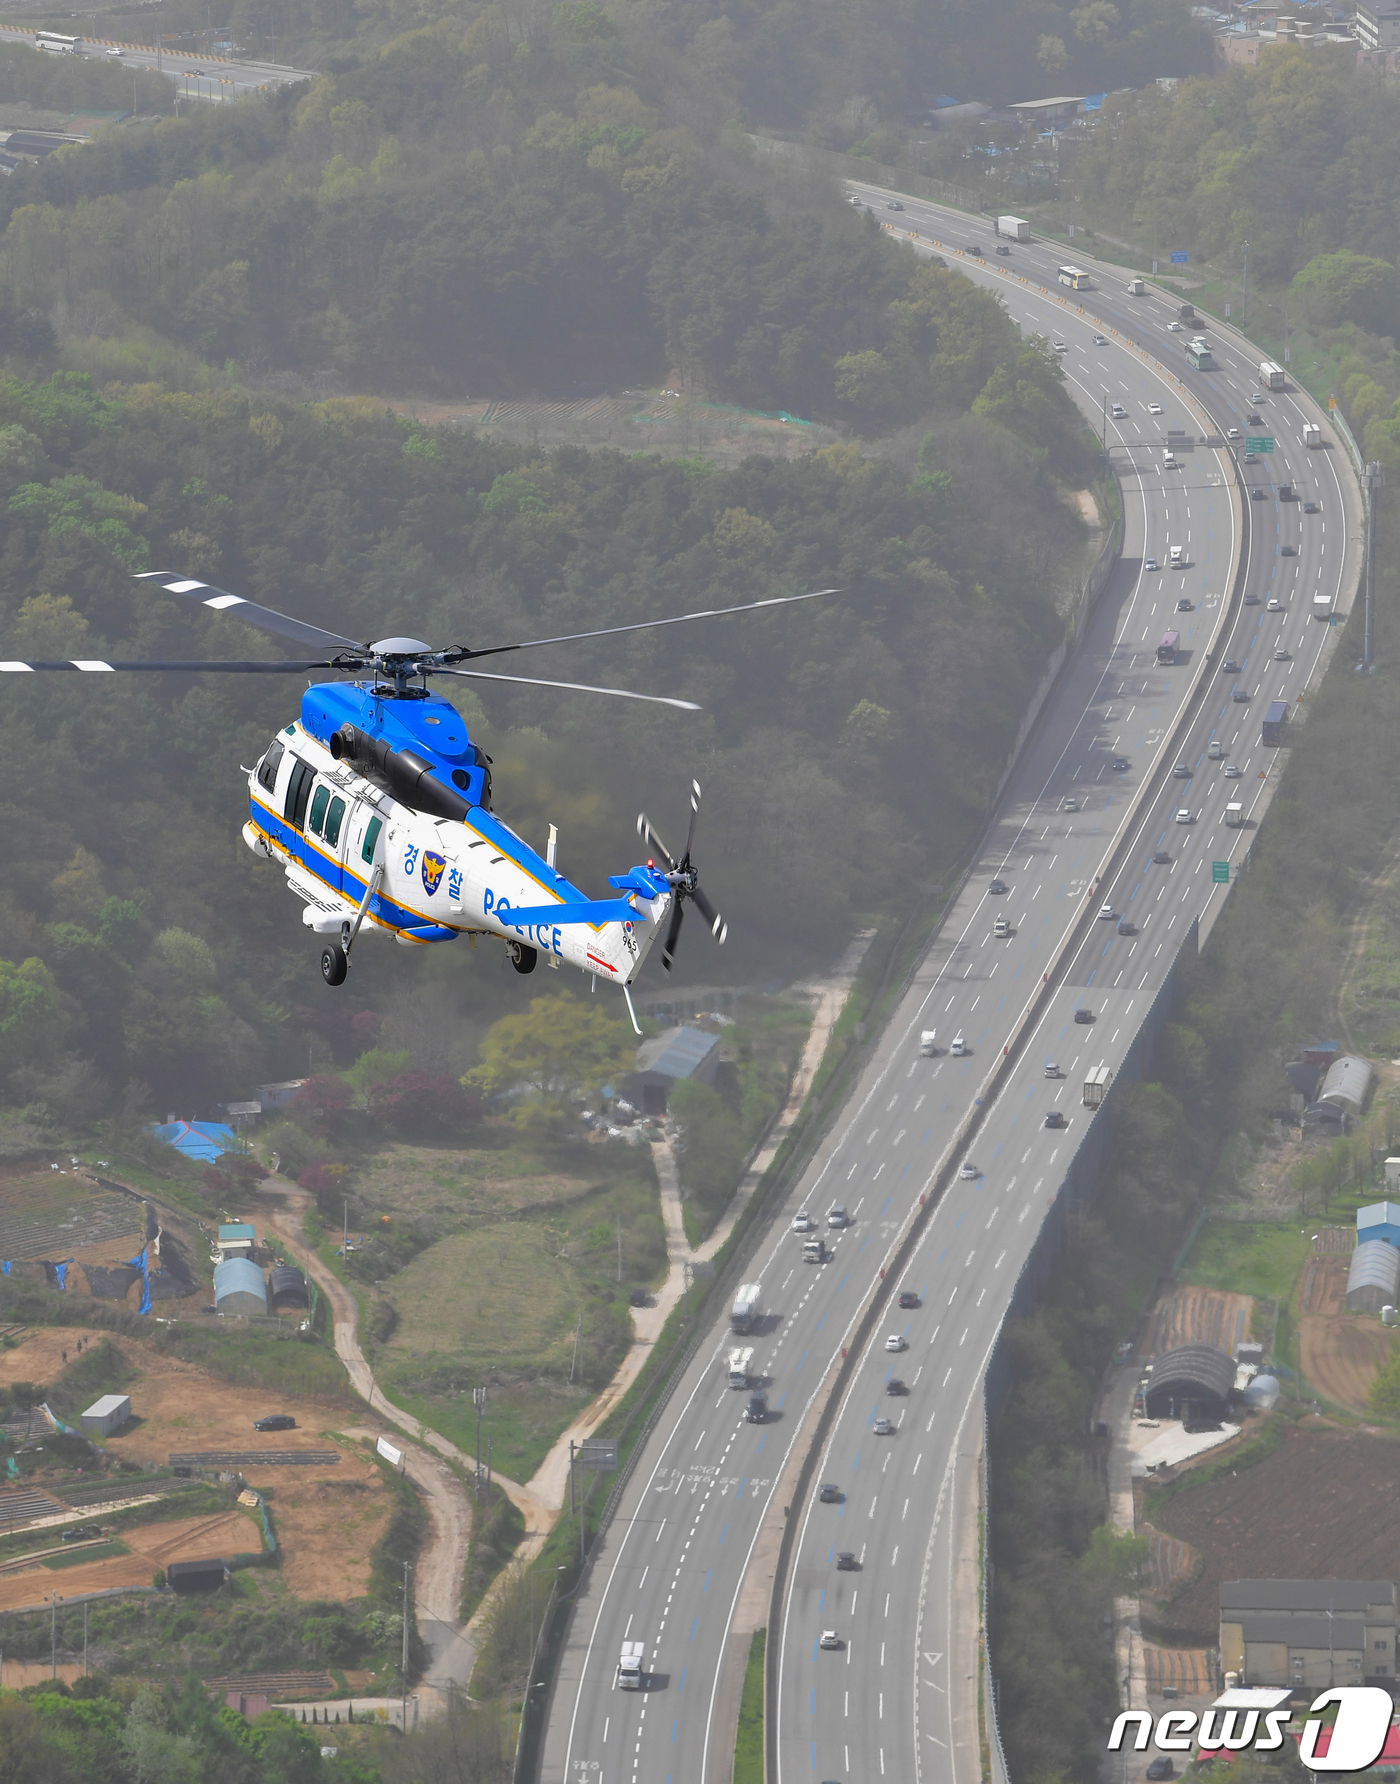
{"points": [[323, 842], [362, 848]]}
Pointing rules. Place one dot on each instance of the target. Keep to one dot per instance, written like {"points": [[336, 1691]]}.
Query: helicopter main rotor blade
{"points": [[266, 619], [648, 835], [642, 625], [573, 687], [673, 932], [93, 666], [719, 929], [694, 815]]}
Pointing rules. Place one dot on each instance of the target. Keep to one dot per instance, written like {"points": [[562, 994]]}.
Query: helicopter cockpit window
{"points": [[319, 801], [267, 771], [334, 818], [372, 829]]}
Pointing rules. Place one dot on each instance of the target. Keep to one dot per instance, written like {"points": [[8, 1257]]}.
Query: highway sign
{"points": [[1220, 873], [1179, 257], [598, 1455], [1259, 443]]}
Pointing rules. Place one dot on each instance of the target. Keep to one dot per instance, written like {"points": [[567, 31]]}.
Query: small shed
{"points": [[1192, 1381], [277, 1096], [195, 1576], [1324, 1118], [1373, 1277], [1348, 1083], [668, 1057], [239, 1288], [236, 1238], [1378, 1220], [289, 1287], [112, 1411], [203, 1140]]}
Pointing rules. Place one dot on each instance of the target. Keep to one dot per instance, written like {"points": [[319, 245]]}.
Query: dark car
{"points": [[1251, 600], [1311, 508], [1161, 857], [1125, 927], [277, 1421], [973, 248], [756, 1412], [908, 1298], [895, 1386], [1256, 421], [1230, 667], [80, 1533], [1004, 251], [639, 1297], [1160, 1768], [1288, 551], [1081, 1015], [997, 886], [830, 1494], [846, 1562], [1184, 606], [1054, 1119], [1256, 495], [1120, 764], [894, 205], [1240, 696]]}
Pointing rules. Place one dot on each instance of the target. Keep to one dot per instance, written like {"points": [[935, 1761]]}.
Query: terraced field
{"points": [[54, 1215]]}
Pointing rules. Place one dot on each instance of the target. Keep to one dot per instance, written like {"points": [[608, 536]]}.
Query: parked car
{"points": [[639, 1297], [276, 1421], [80, 1533], [1160, 1768]]}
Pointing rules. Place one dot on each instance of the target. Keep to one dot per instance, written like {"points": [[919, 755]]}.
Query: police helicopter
{"points": [[377, 806]]}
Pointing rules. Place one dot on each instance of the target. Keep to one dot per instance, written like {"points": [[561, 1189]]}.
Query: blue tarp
{"points": [[139, 1263], [61, 1270], [206, 1140]]}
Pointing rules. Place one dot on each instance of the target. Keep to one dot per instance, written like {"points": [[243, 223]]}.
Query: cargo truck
{"points": [[1137, 288], [1096, 1085], [1014, 229], [1275, 722], [1312, 434], [745, 1309], [1322, 606], [928, 1043], [1271, 375], [1234, 815], [630, 1676], [739, 1361], [814, 1251]]}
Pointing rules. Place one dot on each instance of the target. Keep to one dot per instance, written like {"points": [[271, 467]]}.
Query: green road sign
{"points": [[1259, 443], [1220, 873]]}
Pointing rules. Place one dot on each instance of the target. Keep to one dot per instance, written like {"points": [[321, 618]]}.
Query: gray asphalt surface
{"points": [[205, 78], [672, 1562]]}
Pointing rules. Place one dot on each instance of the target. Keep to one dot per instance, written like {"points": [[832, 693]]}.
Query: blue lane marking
{"points": [[814, 1700], [800, 1361], [694, 1626], [856, 1463], [814, 1744], [960, 1218], [706, 1586], [673, 1732], [740, 1494], [905, 1171], [942, 1254], [864, 1242], [762, 1440], [999, 1145], [820, 1323], [842, 1283], [778, 1404], [821, 1602], [927, 1132], [886, 1205]]}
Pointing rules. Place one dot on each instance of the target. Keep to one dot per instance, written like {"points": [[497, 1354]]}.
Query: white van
{"points": [[959, 1047], [1176, 557], [1169, 462], [928, 1043]]}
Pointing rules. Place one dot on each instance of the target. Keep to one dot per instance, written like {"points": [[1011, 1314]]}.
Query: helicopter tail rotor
{"points": [[684, 880]]}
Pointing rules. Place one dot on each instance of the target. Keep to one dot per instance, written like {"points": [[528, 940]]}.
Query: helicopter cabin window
{"points": [[271, 762], [298, 792], [319, 803], [372, 829], [334, 819]]}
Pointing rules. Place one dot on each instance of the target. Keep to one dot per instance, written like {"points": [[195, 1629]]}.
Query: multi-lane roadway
{"points": [[1073, 833], [196, 76]]}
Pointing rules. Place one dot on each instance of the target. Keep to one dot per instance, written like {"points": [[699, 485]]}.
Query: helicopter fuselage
{"points": [[375, 803]]}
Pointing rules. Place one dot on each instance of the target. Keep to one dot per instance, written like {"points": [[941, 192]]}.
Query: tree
{"points": [[1348, 287], [561, 1047]]}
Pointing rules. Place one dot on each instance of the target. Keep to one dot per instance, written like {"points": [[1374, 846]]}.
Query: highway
{"points": [[670, 1569], [209, 78]]}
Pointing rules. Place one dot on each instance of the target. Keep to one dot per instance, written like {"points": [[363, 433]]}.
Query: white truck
{"points": [[1137, 288], [1014, 229], [745, 1309], [1322, 606], [1096, 1083], [814, 1251], [1234, 815], [630, 1676], [1312, 434], [739, 1361], [928, 1043]]}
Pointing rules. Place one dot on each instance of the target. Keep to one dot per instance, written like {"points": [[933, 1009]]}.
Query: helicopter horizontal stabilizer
{"points": [[596, 910], [426, 932]]}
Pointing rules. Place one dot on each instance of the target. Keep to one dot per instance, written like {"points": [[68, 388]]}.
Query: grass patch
{"points": [[79, 1557], [498, 1528], [1248, 1258], [748, 1743]]}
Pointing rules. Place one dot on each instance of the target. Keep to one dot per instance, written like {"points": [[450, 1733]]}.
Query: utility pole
{"points": [[53, 1635], [479, 1400], [619, 1246], [85, 1611], [345, 1235], [1375, 481], [403, 1712], [1244, 300]]}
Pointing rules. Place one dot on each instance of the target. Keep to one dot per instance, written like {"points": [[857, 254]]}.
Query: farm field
{"points": [[1193, 1315], [1258, 1258], [1321, 1506], [325, 1526], [505, 1173], [1339, 1352], [152, 1546]]}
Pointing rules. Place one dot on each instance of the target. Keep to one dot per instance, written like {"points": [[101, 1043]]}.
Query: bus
{"points": [[1271, 375], [56, 41], [1198, 355], [1075, 277], [1166, 650]]}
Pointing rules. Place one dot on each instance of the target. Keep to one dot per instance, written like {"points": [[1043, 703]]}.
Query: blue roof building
{"points": [[1380, 1221], [203, 1140]]}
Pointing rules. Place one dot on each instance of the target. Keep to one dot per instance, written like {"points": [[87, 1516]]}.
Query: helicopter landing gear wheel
{"points": [[334, 965], [522, 956]]}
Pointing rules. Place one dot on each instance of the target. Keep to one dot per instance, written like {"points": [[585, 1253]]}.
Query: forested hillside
{"points": [[847, 748]]}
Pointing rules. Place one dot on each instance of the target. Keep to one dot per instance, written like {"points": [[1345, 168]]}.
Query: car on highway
{"points": [[1161, 857], [114, 51], [895, 1386], [1251, 600], [855, 198], [1256, 421], [882, 1427], [1257, 495], [1173, 327], [908, 1298], [1118, 412], [1240, 696], [1230, 667], [1149, 563], [1100, 340], [973, 249], [1233, 433], [959, 1048], [1288, 551], [828, 1639], [756, 1412], [1256, 396], [1184, 606], [1183, 816], [1004, 251], [1001, 929], [998, 886], [1182, 771], [1251, 458], [1233, 771], [1083, 1015], [1281, 655], [1107, 913], [1054, 1119], [895, 1341], [967, 1170], [802, 1221], [894, 205], [1274, 605], [1052, 1070], [1311, 508], [1126, 926], [830, 1493], [1070, 805], [1154, 408], [836, 1216], [1120, 764], [276, 1421], [846, 1561], [1060, 346], [1215, 749]]}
